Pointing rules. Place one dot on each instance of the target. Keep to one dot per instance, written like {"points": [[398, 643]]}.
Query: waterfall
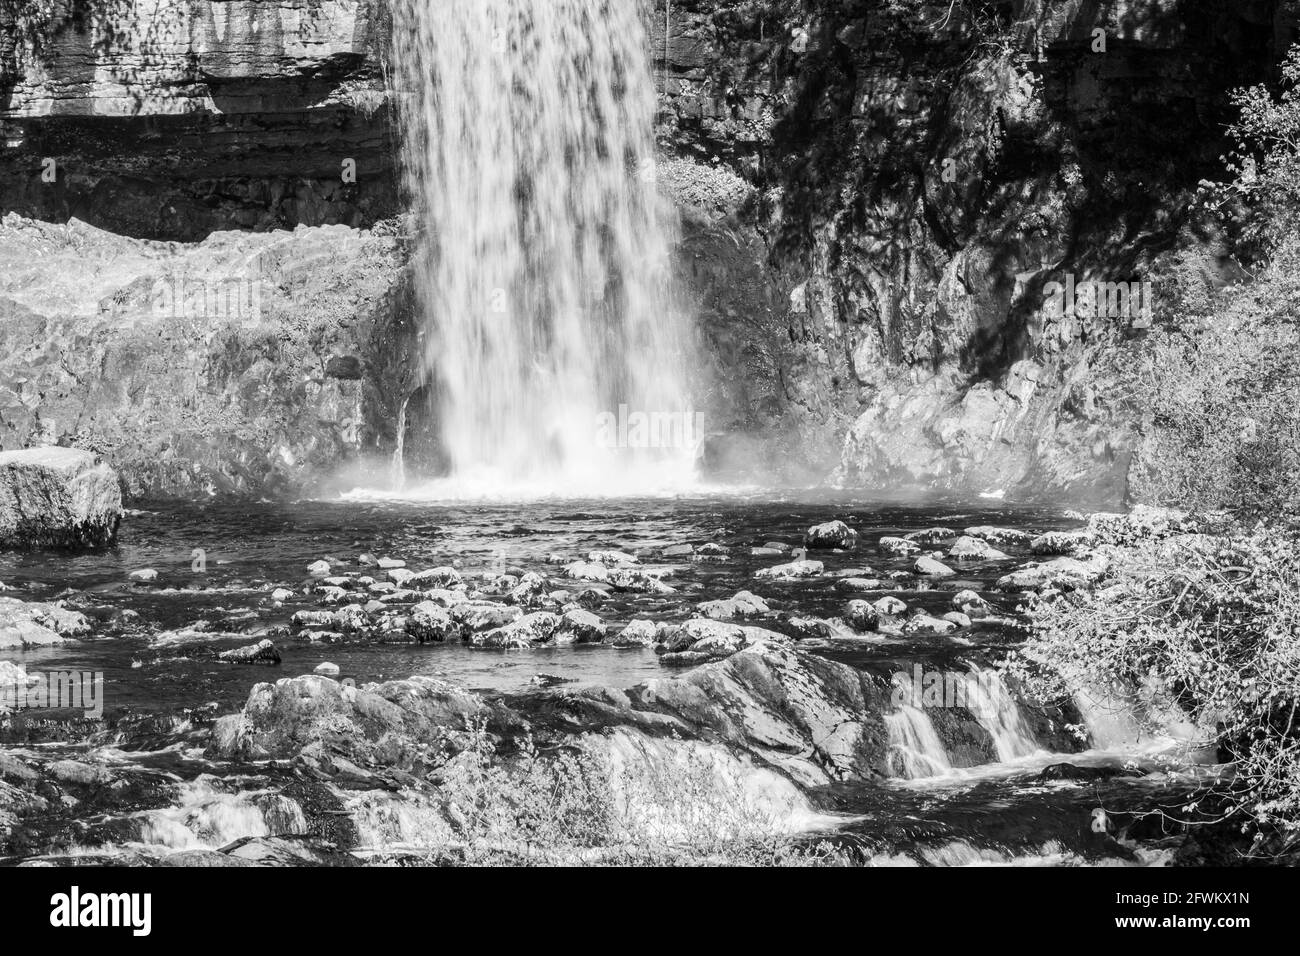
{"points": [[915, 749], [555, 347], [997, 712]]}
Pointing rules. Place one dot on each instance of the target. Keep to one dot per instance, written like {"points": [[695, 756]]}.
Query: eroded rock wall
{"points": [[899, 182]]}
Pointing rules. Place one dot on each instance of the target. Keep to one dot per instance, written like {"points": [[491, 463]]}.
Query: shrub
{"points": [[1209, 623]]}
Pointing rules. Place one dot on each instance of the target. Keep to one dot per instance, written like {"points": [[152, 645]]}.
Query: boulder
{"points": [[968, 548], [832, 534], [1068, 573], [36, 624], [57, 498], [791, 571], [894, 545], [390, 724], [861, 615], [263, 652], [996, 535], [638, 633], [931, 567], [528, 631], [581, 627], [742, 604], [429, 621]]}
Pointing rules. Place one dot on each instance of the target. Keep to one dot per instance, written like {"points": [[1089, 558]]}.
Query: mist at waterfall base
{"points": [[942, 802], [544, 276]]}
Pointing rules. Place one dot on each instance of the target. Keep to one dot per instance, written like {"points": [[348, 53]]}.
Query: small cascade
{"points": [[209, 817], [998, 712], [915, 749]]}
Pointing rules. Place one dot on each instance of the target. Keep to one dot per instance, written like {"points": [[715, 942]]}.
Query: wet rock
{"points": [[13, 676], [958, 618], [263, 652], [890, 607], [352, 619], [812, 628], [78, 773], [832, 534], [530, 630], [286, 851], [742, 604], [777, 546], [703, 639], [389, 564], [967, 548], [1066, 573], [893, 545], [586, 571], [925, 624], [57, 497], [765, 552], [996, 535], [280, 595], [37, 624], [429, 621], [861, 615], [390, 724], [303, 619], [635, 579], [327, 669], [932, 568], [792, 571], [970, 603], [440, 577], [531, 587], [678, 551], [400, 576], [1142, 523], [638, 633], [1061, 542], [930, 536], [816, 719], [319, 569], [858, 584], [143, 576], [473, 616], [612, 559], [582, 627]]}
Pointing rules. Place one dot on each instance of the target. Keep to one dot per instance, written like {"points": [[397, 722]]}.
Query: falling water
{"points": [[997, 712], [915, 749], [544, 271]]}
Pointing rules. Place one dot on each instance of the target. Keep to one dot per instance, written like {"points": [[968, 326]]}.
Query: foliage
{"points": [[1215, 387], [1210, 624]]}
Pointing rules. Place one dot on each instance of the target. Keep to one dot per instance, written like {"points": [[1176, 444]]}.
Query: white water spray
{"points": [[544, 273]]}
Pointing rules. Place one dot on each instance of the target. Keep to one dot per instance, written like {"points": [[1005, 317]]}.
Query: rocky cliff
{"points": [[878, 196]]}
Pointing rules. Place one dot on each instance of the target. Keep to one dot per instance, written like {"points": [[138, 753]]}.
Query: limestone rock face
{"points": [[170, 119], [57, 498], [201, 369]]}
